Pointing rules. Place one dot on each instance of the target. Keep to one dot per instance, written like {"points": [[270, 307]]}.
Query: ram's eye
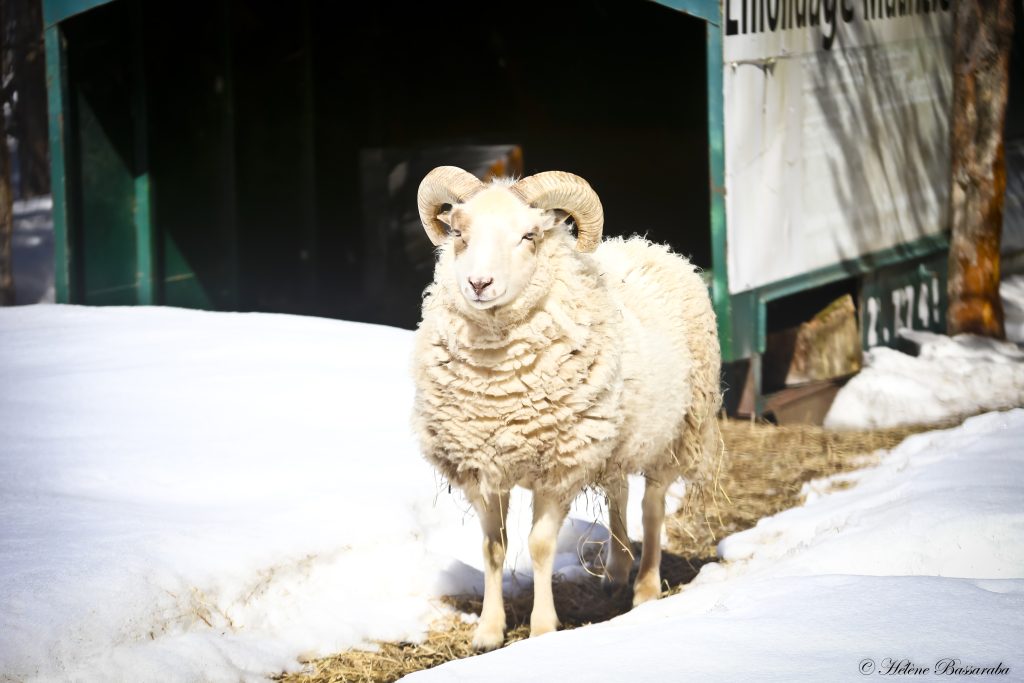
{"points": [[528, 236], [456, 233]]}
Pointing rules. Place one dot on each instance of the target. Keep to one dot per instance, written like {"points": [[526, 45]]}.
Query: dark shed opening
{"points": [[283, 141]]}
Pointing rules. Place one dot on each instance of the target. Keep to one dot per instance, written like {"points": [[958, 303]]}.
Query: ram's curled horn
{"points": [[570, 193], [443, 185]]}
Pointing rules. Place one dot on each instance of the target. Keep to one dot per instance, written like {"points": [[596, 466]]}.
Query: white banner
{"points": [[836, 131]]}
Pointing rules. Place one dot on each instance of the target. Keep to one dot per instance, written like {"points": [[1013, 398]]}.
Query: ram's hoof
{"points": [[487, 638], [542, 625], [644, 591]]}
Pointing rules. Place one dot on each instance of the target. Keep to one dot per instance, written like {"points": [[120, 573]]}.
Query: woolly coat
{"points": [[606, 364]]}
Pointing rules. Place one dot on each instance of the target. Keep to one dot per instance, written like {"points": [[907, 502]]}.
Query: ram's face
{"points": [[495, 239]]}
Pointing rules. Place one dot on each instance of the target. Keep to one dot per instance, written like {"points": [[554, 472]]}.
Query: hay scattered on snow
{"points": [[763, 472]]}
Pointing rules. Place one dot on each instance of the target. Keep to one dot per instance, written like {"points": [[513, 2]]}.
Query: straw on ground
{"points": [[763, 473]]}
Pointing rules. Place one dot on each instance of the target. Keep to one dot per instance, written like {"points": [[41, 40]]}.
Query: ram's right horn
{"points": [[570, 193]]}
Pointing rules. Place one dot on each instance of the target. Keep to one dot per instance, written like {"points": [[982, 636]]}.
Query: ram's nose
{"points": [[479, 284]]}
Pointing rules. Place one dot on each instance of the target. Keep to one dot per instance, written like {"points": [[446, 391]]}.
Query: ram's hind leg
{"points": [[493, 512], [648, 580], [620, 555], [548, 514]]}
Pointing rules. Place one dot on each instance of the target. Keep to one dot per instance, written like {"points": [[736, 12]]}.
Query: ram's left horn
{"points": [[443, 185]]}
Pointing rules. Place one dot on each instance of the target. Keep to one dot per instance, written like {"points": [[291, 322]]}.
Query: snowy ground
{"points": [[198, 496], [32, 251], [921, 561], [1012, 291], [948, 378]]}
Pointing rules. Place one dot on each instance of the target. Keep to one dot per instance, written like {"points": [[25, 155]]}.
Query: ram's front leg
{"points": [[548, 513], [493, 512], [648, 580]]}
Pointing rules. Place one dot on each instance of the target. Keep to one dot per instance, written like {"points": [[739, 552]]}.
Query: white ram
{"points": [[542, 365]]}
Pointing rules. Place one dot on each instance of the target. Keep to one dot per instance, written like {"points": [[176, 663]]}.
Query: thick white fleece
{"points": [[607, 363]]}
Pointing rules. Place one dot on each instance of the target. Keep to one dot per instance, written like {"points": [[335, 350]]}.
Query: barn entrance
{"points": [[279, 145]]}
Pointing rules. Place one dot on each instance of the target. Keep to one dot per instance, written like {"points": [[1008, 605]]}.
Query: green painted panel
{"points": [[708, 10], [107, 211], [144, 257], [60, 162], [716, 156], [854, 267], [745, 310], [142, 218], [55, 11], [181, 286], [748, 331], [99, 54], [909, 295]]}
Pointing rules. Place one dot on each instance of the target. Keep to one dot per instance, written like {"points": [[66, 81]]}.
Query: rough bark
{"points": [[982, 37]]}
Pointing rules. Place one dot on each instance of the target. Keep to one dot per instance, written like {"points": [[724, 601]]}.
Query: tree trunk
{"points": [[6, 220], [29, 125], [6, 197], [982, 36]]}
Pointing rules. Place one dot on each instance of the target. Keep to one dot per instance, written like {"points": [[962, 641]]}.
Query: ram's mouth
{"points": [[478, 302], [481, 302]]}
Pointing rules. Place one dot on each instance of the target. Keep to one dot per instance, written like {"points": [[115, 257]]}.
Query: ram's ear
{"points": [[554, 218]]}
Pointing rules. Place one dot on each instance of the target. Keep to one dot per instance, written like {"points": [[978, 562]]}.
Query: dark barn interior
{"points": [[283, 142]]}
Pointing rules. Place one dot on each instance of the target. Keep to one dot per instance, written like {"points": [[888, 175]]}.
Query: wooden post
{"points": [[28, 115], [6, 220], [6, 195], [982, 36]]}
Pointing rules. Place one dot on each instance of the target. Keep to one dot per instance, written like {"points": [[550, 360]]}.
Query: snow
{"points": [[1011, 290], [922, 560], [33, 204], [950, 377], [189, 495], [170, 476], [32, 251], [212, 496]]}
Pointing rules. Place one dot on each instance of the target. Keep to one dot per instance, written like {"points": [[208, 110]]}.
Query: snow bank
{"points": [[1011, 289], [207, 496], [184, 495], [921, 561], [951, 377]]}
